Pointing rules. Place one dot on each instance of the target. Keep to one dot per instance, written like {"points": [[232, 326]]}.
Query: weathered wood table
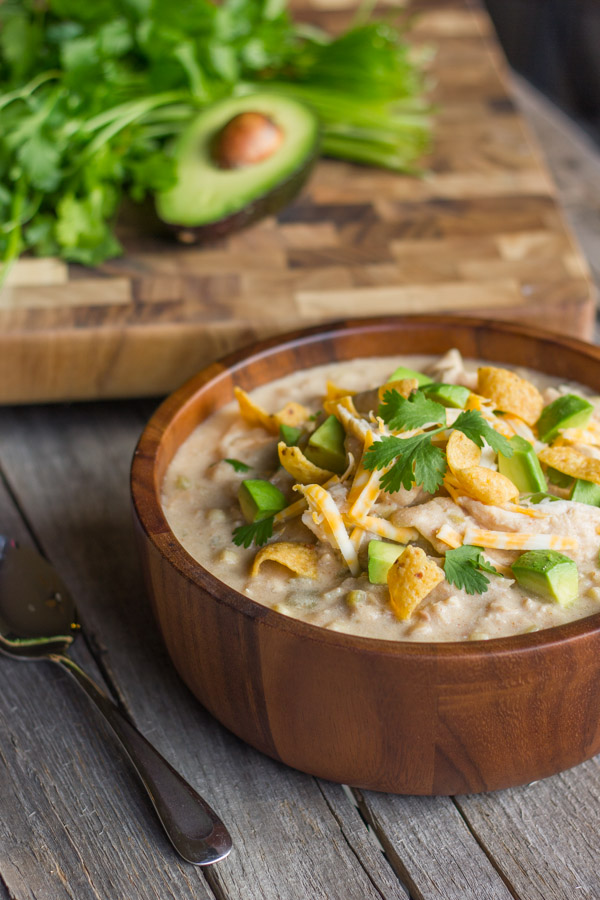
{"points": [[74, 822]]}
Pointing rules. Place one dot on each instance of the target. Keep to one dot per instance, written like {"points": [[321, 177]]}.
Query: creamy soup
{"points": [[330, 581]]}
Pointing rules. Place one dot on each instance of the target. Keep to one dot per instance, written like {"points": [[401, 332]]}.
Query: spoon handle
{"points": [[191, 825]]}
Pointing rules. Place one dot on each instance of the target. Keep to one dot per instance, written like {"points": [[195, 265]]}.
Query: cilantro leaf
{"points": [[257, 532], [417, 461], [398, 412], [464, 568], [474, 426], [237, 465]]}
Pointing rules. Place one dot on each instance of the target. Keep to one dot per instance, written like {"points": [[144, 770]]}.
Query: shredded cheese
{"points": [[297, 508], [517, 540], [325, 512], [449, 535], [385, 528]]}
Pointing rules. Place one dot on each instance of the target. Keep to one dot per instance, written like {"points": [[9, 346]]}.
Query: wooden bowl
{"points": [[412, 718]]}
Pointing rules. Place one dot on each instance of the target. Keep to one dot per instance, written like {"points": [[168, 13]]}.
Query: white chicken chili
{"points": [[400, 498]]}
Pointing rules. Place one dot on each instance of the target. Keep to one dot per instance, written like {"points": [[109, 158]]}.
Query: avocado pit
{"points": [[247, 139]]}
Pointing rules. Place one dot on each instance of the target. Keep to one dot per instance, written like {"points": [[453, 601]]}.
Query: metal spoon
{"points": [[38, 622]]}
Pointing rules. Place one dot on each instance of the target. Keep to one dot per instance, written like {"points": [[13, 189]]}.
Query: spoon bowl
{"points": [[37, 613], [38, 621]]}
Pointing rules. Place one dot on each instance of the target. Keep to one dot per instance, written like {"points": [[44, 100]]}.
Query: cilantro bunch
{"points": [[416, 460], [92, 92]]}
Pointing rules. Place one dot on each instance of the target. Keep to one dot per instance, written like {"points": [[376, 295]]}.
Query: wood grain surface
{"points": [[480, 232], [74, 825], [412, 718]]}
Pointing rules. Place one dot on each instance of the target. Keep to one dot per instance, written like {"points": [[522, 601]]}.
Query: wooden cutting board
{"points": [[480, 233]]}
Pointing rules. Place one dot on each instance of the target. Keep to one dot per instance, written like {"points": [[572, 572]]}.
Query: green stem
{"points": [[29, 88], [15, 238]]}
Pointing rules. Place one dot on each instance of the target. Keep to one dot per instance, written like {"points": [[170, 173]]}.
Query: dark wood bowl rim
{"points": [[144, 485]]}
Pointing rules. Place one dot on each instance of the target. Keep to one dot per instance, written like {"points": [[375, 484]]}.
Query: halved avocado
{"points": [[240, 159]]}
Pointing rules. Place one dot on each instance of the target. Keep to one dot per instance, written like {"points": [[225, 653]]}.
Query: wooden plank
{"points": [[432, 849], [69, 468], [75, 823], [545, 835]]}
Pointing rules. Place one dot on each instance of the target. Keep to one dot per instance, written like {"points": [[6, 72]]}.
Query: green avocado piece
{"points": [[452, 395], [559, 478], [539, 496], [207, 200], [548, 573], [523, 467], [568, 411], [382, 556], [403, 372], [259, 499], [289, 434], [585, 492], [326, 446]]}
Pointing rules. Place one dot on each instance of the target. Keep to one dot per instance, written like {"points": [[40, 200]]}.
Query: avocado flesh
{"points": [[382, 557], [559, 478], [585, 492], [326, 447], [207, 196], [548, 573], [523, 467], [402, 372], [454, 396], [568, 411], [259, 499], [290, 435]]}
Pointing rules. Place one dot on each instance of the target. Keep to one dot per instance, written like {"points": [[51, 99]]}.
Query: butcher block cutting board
{"points": [[480, 233]]}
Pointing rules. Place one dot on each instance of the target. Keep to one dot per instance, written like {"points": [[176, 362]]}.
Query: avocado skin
{"points": [[267, 205]]}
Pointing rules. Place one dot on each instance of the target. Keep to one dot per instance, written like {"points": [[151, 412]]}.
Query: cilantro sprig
{"points": [[399, 413], [256, 532], [464, 568], [415, 459]]}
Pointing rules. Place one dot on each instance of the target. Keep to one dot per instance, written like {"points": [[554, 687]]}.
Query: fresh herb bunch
{"points": [[415, 459], [91, 93]]}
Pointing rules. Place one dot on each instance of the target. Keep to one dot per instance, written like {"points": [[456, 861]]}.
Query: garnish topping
{"points": [[255, 532], [417, 460], [464, 568], [238, 465]]}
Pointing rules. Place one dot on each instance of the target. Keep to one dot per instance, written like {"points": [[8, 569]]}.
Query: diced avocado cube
{"points": [[548, 573], [289, 434], [382, 556], [559, 478], [523, 467], [259, 499], [402, 372], [585, 492], [568, 411], [539, 496], [326, 446], [453, 395]]}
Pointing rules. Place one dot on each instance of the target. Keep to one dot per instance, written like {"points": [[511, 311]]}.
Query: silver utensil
{"points": [[38, 622]]}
